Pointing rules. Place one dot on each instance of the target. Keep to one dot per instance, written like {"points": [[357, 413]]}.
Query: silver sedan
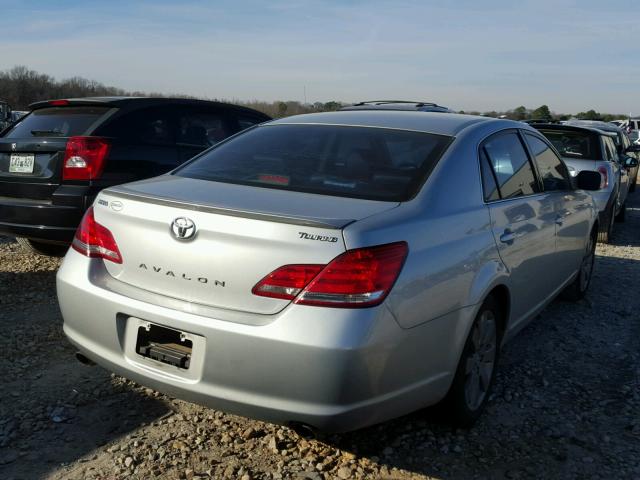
{"points": [[332, 270]]}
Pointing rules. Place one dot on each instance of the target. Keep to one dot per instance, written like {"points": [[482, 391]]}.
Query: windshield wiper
{"points": [[40, 133]]}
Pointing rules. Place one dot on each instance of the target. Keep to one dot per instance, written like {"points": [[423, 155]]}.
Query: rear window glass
{"points": [[56, 122], [359, 162], [571, 144]]}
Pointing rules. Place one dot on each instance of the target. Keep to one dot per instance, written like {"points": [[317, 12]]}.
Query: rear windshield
{"points": [[580, 145], [359, 162], [56, 122]]}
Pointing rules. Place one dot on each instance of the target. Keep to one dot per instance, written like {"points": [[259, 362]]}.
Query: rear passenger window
{"points": [[202, 128], [511, 166], [610, 151], [551, 169], [151, 126], [491, 192]]}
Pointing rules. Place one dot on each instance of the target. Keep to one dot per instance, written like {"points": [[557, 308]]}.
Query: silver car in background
{"points": [[334, 270], [588, 148], [627, 152]]}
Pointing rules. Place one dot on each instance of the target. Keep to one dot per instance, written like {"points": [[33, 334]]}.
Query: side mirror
{"points": [[634, 147], [588, 180], [631, 162]]}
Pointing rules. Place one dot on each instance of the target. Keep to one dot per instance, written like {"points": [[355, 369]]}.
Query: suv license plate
{"points": [[21, 162]]}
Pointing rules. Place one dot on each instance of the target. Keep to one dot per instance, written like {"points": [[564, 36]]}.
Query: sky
{"points": [[572, 55]]}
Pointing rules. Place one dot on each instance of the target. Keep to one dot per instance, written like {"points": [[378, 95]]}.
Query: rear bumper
{"points": [[39, 219], [333, 369]]}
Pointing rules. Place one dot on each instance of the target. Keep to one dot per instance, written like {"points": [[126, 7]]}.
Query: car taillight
{"points": [[94, 240], [286, 282], [357, 278], [604, 183], [84, 158]]}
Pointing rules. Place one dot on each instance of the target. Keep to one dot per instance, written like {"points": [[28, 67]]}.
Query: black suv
{"points": [[56, 159]]}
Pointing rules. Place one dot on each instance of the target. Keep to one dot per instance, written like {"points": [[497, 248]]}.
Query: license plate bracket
{"points": [[21, 162], [164, 345]]}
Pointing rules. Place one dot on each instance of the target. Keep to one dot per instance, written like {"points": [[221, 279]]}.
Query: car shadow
{"points": [[53, 410]]}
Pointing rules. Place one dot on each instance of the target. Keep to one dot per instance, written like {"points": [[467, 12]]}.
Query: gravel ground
{"points": [[566, 402]]}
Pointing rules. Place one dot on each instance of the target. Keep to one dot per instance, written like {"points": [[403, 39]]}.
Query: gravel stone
{"points": [[565, 402]]}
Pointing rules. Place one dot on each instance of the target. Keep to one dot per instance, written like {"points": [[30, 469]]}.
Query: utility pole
{"points": [[304, 88]]}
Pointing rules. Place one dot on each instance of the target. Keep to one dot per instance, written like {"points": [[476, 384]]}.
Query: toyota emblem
{"points": [[183, 228]]}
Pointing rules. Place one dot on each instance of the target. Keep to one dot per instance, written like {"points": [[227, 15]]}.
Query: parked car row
{"points": [[58, 157], [330, 270], [601, 147]]}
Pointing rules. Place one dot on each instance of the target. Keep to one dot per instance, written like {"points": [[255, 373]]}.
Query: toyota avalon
{"points": [[333, 270]]}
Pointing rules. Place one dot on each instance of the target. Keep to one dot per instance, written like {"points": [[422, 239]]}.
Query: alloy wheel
{"points": [[481, 360], [586, 268]]}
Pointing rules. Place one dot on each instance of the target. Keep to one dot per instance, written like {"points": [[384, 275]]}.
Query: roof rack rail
{"points": [[380, 102], [539, 120]]}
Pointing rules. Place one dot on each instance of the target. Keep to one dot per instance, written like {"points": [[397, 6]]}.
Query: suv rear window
{"points": [[56, 122], [571, 144], [359, 162]]}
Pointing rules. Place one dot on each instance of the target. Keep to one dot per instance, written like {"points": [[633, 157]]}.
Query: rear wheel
{"points": [[475, 374], [42, 248], [606, 228], [578, 288]]}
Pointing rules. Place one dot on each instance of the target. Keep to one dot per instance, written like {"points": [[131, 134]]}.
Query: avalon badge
{"points": [[183, 228]]}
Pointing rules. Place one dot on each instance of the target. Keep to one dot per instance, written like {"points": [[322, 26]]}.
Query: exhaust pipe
{"points": [[84, 360], [304, 430]]}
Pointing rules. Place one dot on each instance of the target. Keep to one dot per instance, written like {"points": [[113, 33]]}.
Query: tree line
{"points": [[543, 112], [20, 86]]}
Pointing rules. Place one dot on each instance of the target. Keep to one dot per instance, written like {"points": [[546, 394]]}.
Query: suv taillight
{"points": [[94, 240], [357, 278], [84, 158], [604, 183]]}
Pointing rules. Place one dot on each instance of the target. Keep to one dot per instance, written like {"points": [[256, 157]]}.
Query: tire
{"points": [[578, 288], [621, 216], [476, 370], [42, 248], [606, 228]]}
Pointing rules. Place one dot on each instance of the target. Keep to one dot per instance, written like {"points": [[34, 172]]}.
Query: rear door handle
{"points": [[507, 237]]}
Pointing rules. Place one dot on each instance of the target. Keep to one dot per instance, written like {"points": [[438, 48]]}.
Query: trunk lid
{"points": [[576, 166], [242, 234]]}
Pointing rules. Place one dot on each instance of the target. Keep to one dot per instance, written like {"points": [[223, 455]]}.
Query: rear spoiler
{"points": [[71, 103], [121, 191]]}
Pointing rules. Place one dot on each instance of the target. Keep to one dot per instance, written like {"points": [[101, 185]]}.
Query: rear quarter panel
{"points": [[452, 258]]}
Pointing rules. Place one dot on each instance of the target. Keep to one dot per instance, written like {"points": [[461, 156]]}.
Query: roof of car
{"points": [[138, 101], [570, 128], [432, 122], [598, 124]]}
